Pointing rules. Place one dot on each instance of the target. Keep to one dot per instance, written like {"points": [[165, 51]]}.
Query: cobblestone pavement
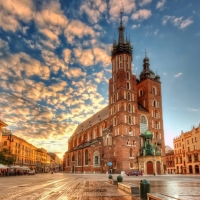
{"points": [[64, 186]]}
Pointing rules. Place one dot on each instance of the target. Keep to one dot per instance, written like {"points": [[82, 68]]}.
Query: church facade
{"points": [[127, 134]]}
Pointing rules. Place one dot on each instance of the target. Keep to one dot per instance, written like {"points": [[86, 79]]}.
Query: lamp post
{"points": [[10, 139]]}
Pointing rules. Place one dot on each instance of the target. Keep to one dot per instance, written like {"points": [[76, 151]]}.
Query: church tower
{"points": [[123, 106]]}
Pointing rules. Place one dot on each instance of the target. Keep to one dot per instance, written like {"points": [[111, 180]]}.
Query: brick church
{"points": [[127, 134]]}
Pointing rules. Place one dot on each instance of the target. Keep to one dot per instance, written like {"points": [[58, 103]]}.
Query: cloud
{"points": [[67, 55], [141, 14], [160, 4], [144, 2], [193, 109], [185, 23], [87, 58], [156, 32], [101, 56], [3, 47], [78, 29], [114, 9], [135, 26], [51, 17], [177, 75], [93, 9], [49, 34], [12, 11], [177, 21], [74, 72]]}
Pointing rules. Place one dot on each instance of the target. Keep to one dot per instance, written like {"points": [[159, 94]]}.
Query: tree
{"points": [[6, 157]]}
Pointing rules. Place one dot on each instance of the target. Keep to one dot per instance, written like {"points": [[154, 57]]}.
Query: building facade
{"points": [[2, 124], [169, 160], [128, 133], [187, 152], [24, 152]]}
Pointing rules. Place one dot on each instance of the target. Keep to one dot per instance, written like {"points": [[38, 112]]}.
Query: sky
{"points": [[55, 62]]}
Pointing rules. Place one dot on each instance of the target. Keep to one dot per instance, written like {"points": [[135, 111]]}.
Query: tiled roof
{"points": [[86, 144], [94, 119]]}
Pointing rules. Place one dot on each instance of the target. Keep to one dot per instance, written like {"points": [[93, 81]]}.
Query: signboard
{"points": [[109, 163]]}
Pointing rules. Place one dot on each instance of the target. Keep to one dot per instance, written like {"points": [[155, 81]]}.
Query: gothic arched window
{"points": [[73, 157], [143, 124], [128, 85], [68, 160], [129, 120], [79, 158], [131, 152], [140, 92], [154, 90], [128, 75], [114, 99], [154, 103], [86, 157], [128, 96], [129, 107]]}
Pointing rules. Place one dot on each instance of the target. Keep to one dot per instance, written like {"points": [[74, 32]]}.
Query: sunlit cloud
{"points": [[160, 4], [177, 75], [93, 9], [135, 26], [114, 9], [144, 2], [177, 21], [141, 14]]}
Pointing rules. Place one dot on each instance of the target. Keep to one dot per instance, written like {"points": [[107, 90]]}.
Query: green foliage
{"points": [[6, 158]]}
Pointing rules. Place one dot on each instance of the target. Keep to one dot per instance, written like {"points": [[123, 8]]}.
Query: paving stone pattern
{"points": [[63, 186]]}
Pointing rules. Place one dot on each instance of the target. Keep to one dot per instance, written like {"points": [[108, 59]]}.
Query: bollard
{"points": [[110, 176], [144, 189], [119, 179]]}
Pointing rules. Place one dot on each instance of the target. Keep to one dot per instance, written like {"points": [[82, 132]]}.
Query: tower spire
{"points": [[145, 53], [121, 30]]}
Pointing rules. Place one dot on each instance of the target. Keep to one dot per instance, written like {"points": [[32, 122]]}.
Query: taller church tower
{"points": [[135, 109]]}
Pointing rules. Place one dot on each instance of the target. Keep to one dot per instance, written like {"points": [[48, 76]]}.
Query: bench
{"points": [[157, 196], [113, 182], [129, 188]]}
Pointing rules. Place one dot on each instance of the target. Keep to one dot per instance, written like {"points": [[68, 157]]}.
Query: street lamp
{"points": [[10, 139]]}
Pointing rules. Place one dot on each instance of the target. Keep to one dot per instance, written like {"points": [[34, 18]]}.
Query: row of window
{"points": [[155, 114], [127, 95], [86, 159], [154, 91], [131, 120], [176, 145], [114, 78], [190, 158], [130, 108], [156, 124], [120, 62]]}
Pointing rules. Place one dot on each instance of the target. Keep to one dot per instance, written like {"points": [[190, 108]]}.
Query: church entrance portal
{"points": [[158, 167], [149, 167]]}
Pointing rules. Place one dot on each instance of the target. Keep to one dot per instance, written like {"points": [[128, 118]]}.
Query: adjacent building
{"points": [[169, 160], [24, 152], [55, 162], [2, 124], [128, 133], [187, 152], [28, 155]]}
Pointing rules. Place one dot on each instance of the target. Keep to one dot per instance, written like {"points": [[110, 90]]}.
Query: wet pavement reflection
{"points": [[64, 186]]}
